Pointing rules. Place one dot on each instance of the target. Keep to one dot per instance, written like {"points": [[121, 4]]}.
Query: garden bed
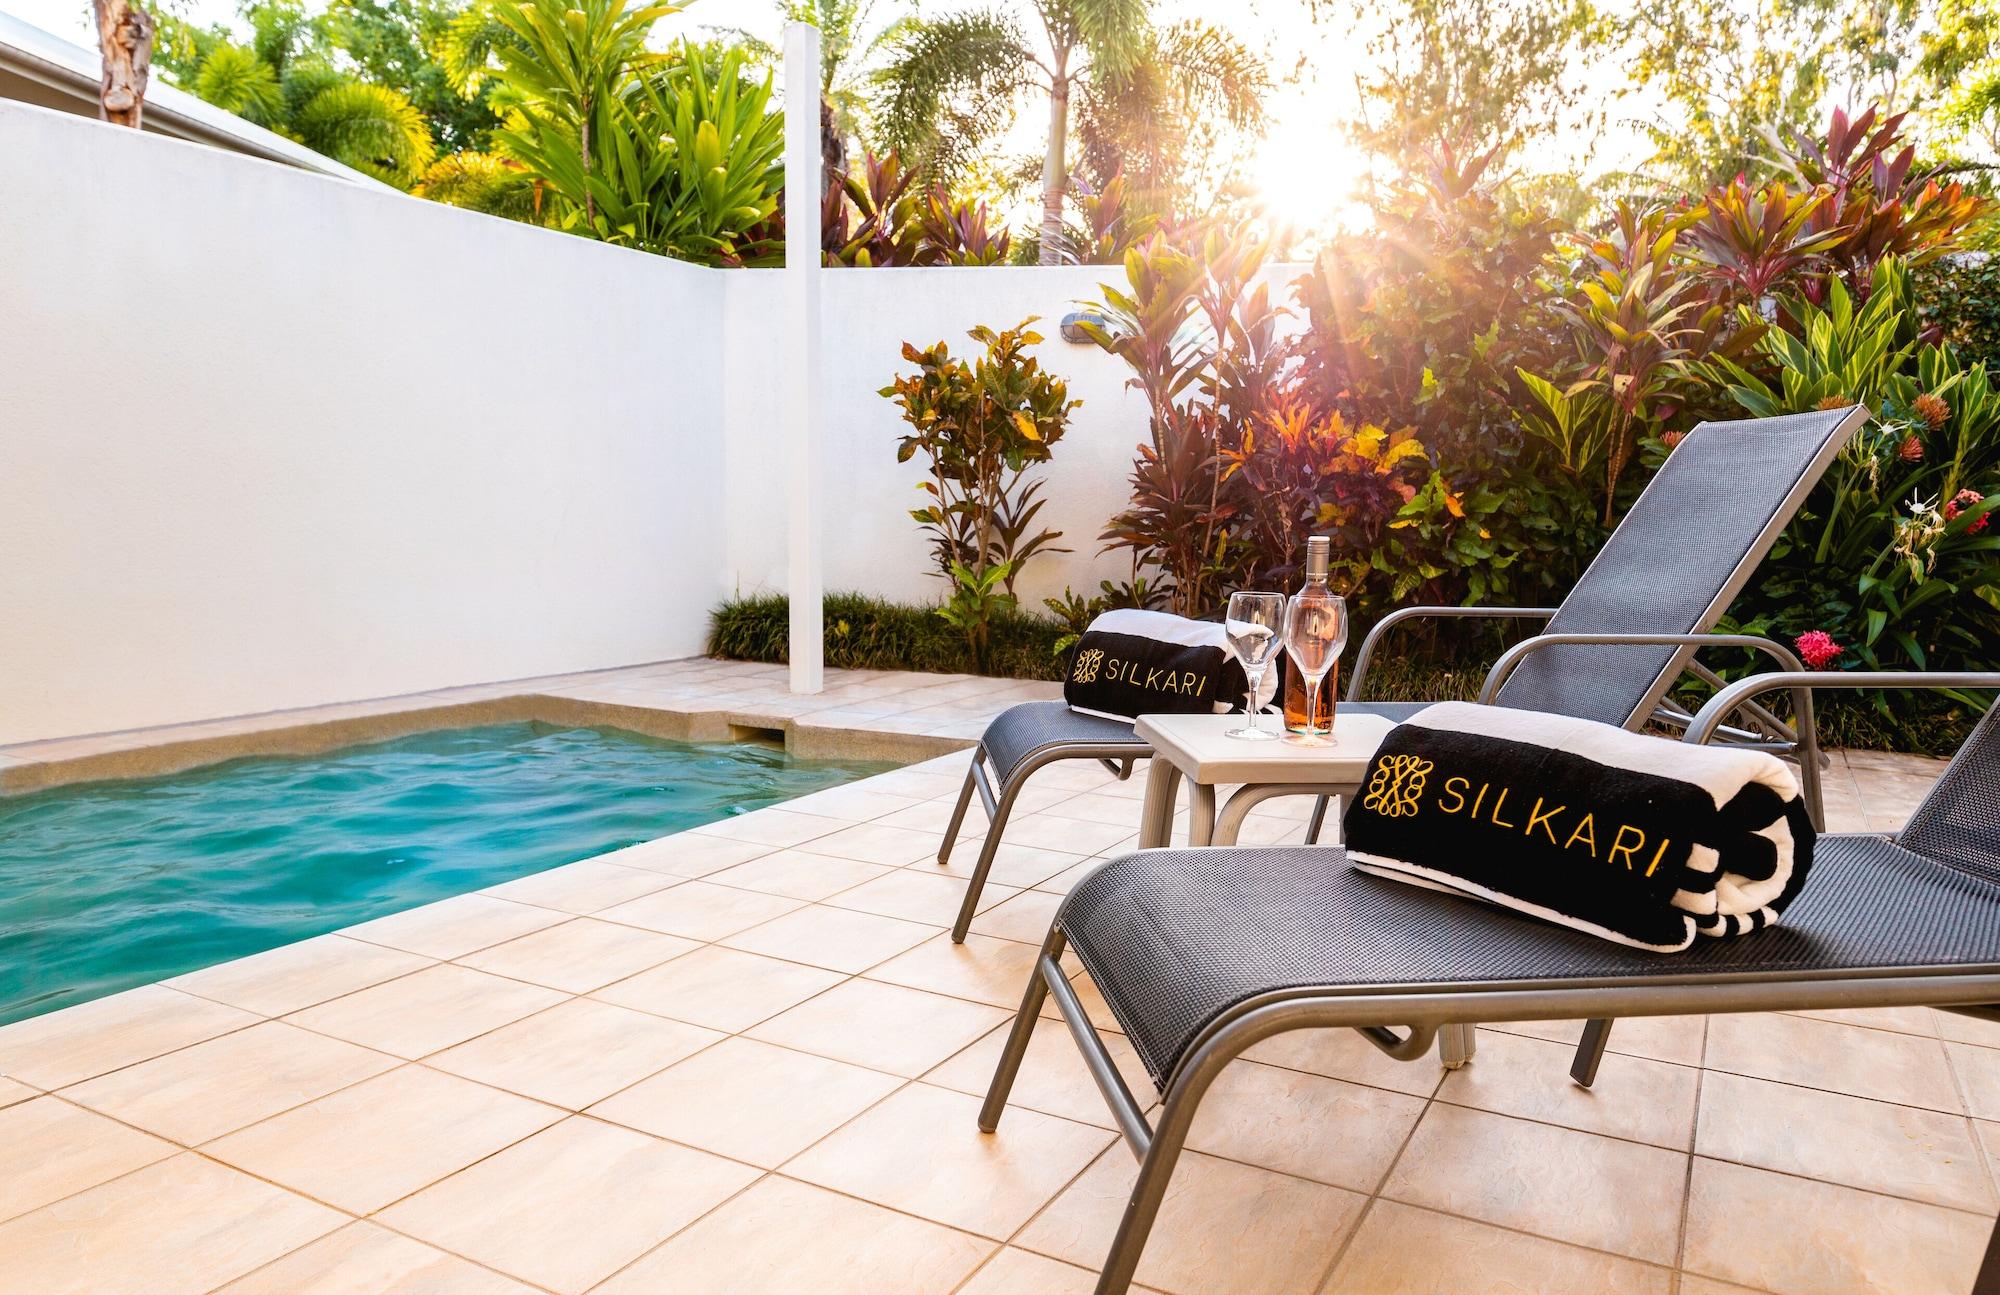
{"points": [[864, 633]]}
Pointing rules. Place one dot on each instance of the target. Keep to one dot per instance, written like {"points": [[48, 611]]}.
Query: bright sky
{"points": [[1305, 168]]}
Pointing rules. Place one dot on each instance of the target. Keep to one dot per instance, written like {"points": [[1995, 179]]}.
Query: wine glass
{"points": [[1315, 636], [1254, 624]]}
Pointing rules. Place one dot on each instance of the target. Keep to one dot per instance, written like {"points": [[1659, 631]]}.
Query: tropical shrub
{"points": [[1892, 562], [877, 216], [289, 79], [979, 425]]}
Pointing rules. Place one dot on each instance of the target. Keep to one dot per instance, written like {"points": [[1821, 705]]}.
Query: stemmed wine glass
{"points": [[1315, 636], [1254, 624]]}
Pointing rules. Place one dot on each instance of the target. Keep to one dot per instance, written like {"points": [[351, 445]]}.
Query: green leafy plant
{"points": [[979, 426], [1892, 554]]}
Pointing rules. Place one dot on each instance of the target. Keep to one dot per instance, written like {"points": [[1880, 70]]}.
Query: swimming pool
{"points": [[109, 885]]}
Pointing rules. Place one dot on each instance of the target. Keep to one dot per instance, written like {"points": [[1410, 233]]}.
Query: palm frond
{"points": [[370, 128], [235, 80], [949, 89]]}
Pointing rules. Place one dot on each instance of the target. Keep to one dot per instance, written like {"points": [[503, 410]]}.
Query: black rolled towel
{"points": [[1637, 839]]}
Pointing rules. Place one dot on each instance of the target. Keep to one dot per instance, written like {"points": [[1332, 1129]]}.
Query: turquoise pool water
{"points": [[109, 885]]}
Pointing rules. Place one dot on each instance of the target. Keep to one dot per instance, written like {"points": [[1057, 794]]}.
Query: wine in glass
{"points": [[1315, 636], [1255, 625]]}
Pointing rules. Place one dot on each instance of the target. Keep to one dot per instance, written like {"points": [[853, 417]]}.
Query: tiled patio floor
{"points": [[745, 1059]]}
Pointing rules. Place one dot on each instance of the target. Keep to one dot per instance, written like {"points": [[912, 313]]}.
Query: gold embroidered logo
{"points": [[1088, 663], [1396, 784]]}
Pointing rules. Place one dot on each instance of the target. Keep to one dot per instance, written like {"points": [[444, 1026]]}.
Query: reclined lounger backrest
{"points": [[1677, 560], [1959, 820]]}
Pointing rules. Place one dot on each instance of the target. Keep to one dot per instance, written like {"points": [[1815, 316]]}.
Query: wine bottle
{"points": [[1319, 560]]}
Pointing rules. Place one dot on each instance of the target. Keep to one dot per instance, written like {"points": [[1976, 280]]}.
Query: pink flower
{"points": [[1963, 500], [1671, 439], [1817, 648]]}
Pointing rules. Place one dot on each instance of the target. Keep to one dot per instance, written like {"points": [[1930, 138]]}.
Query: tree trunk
{"points": [[833, 170], [125, 40], [1055, 169]]}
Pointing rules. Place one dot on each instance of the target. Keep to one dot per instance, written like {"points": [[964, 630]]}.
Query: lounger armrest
{"points": [[1710, 718], [1511, 659], [1367, 653]]}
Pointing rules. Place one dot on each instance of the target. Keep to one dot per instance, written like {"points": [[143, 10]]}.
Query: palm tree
{"points": [[950, 91], [852, 48], [285, 80]]}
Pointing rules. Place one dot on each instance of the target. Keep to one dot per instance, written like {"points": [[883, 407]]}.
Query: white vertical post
{"points": [[803, 410]]}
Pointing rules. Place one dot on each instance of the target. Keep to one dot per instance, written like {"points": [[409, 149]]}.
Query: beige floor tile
{"points": [[1646, 1101], [50, 1149], [575, 1053], [787, 1238], [184, 1225], [582, 887], [362, 1259], [697, 910], [1577, 1187], [293, 976], [1223, 1227], [1795, 1236], [921, 1151], [883, 1027], [930, 819], [1063, 882], [1839, 1058], [1050, 831], [104, 1034], [1304, 1124], [1693, 1285], [1025, 918], [1920, 1021], [1013, 865], [1023, 1272], [380, 1140], [1660, 1038], [855, 802], [220, 1085], [571, 1205], [12, 1092], [1100, 807], [1343, 1054], [452, 928], [879, 843], [1052, 1078], [750, 1101], [720, 988], [798, 875], [836, 938], [1402, 1250], [917, 895], [1978, 1071], [580, 955], [1967, 1029], [427, 1010], [1898, 1150], [686, 854], [983, 969], [776, 828]]}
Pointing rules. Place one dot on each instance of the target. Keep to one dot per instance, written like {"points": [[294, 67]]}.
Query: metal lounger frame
{"points": [[1425, 1012], [1119, 757]]}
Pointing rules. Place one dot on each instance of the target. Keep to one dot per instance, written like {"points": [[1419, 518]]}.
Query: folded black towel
{"points": [[1641, 840], [1131, 663]]}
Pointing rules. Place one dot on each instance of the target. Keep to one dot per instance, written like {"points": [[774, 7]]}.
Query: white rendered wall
{"points": [[272, 440], [269, 440], [871, 543]]}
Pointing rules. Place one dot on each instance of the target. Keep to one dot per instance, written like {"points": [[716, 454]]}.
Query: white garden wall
{"points": [[271, 440]]}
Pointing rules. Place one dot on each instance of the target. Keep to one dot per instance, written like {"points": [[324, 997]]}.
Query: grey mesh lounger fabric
{"points": [[1201, 954]]}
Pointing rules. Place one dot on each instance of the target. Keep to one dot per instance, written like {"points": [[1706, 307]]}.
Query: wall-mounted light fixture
{"points": [[1073, 322]]}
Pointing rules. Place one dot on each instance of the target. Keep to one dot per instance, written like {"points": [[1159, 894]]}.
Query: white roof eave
{"points": [[73, 71]]}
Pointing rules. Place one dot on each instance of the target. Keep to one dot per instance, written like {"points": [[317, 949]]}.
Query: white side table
{"points": [[1194, 747]]}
